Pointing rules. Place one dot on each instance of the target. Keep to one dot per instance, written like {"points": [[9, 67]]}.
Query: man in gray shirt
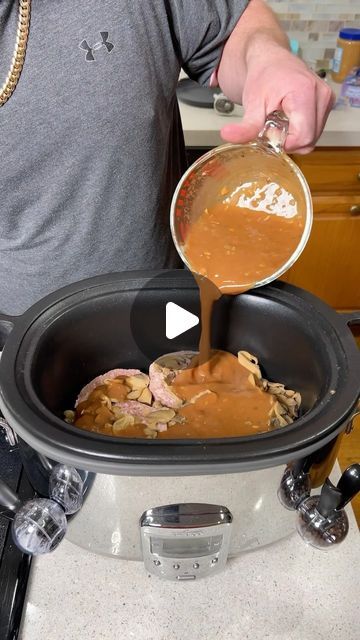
{"points": [[91, 140]]}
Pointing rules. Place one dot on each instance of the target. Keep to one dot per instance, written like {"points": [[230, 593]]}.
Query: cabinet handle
{"points": [[355, 210], [358, 176]]}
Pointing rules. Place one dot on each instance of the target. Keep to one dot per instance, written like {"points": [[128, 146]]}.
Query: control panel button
{"points": [[196, 565], [186, 577], [176, 566]]}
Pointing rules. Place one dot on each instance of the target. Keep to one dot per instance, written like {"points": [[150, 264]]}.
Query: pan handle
{"points": [[8, 498], [6, 326]]}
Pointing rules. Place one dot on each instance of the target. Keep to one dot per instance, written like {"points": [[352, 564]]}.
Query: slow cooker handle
{"points": [[40, 524], [321, 519], [6, 325], [295, 484], [351, 318], [8, 499]]}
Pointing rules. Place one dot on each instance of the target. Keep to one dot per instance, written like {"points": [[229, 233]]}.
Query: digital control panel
{"points": [[185, 541]]}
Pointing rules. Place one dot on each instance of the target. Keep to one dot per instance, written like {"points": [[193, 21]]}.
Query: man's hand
{"points": [[258, 70]]}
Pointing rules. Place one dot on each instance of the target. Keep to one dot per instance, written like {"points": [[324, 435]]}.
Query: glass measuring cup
{"points": [[255, 172]]}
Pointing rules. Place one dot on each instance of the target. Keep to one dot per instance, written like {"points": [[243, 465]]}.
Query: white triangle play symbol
{"points": [[178, 320]]}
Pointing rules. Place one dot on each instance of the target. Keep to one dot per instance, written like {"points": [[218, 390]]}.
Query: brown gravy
{"points": [[235, 247], [220, 398], [230, 404], [230, 249]]}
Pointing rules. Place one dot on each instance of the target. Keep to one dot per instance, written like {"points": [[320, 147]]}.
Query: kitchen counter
{"points": [[202, 126], [287, 591]]}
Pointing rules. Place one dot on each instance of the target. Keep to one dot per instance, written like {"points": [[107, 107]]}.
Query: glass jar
{"points": [[347, 53]]}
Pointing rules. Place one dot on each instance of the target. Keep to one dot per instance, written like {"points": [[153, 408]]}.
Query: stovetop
{"points": [[14, 565]]}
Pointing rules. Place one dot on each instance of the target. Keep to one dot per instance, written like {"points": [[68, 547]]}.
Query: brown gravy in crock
{"points": [[230, 404]]}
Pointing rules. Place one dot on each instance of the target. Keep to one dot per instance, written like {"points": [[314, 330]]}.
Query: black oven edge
{"points": [[14, 574]]}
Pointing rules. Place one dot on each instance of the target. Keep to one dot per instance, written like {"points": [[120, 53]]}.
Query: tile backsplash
{"points": [[315, 24]]}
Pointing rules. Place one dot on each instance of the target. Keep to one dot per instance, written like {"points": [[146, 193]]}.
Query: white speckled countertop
{"points": [[202, 126], [286, 591]]}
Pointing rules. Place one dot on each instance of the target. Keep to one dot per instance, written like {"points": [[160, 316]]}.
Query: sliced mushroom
{"points": [[178, 419], [161, 415], [134, 395], [150, 433], [249, 362], [123, 423], [145, 396], [138, 382], [69, 416], [105, 401]]}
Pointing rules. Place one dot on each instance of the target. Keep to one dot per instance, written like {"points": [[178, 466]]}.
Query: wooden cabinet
{"points": [[329, 266], [331, 169], [330, 263]]}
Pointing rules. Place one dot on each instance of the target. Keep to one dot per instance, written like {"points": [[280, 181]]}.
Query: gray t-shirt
{"points": [[91, 140]]}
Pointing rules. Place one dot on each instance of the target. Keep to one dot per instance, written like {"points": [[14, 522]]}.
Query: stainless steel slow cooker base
{"points": [[109, 521]]}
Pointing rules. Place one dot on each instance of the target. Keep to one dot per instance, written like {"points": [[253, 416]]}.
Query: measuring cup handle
{"points": [[275, 130]]}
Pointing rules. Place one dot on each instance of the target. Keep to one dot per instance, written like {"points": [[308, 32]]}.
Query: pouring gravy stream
{"points": [[230, 249]]}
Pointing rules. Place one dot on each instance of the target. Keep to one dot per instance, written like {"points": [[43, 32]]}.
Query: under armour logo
{"points": [[90, 50]]}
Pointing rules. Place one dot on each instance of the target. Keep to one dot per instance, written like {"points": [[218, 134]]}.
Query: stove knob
{"points": [[294, 486], [66, 488], [321, 519], [223, 105], [39, 526]]}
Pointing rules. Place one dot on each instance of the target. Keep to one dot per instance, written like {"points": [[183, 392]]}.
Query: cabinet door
{"points": [[330, 170], [329, 266]]}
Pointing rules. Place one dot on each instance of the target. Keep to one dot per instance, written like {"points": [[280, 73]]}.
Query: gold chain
{"points": [[17, 62]]}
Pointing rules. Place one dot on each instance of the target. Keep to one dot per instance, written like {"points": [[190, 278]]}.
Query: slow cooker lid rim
{"points": [[320, 414], [273, 289], [328, 412], [182, 466]]}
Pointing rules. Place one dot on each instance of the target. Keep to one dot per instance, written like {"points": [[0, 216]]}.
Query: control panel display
{"points": [[185, 547]]}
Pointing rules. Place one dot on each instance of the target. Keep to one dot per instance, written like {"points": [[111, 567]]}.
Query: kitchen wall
{"points": [[315, 24]]}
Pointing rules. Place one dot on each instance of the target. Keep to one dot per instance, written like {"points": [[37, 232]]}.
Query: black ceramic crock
{"points": [[118, 320]]}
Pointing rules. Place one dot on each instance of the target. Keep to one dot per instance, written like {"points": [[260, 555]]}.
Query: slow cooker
{"points": [[181, 506]]}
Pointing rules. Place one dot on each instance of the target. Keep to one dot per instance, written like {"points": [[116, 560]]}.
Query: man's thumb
{"points": [[247, 130]]}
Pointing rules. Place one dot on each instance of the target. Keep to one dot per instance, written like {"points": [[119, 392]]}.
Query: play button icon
{"points": [[164, 316], [178, 320]]}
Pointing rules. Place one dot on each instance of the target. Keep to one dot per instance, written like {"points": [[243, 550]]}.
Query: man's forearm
{"points": [[258, 70], [257, 31]]}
